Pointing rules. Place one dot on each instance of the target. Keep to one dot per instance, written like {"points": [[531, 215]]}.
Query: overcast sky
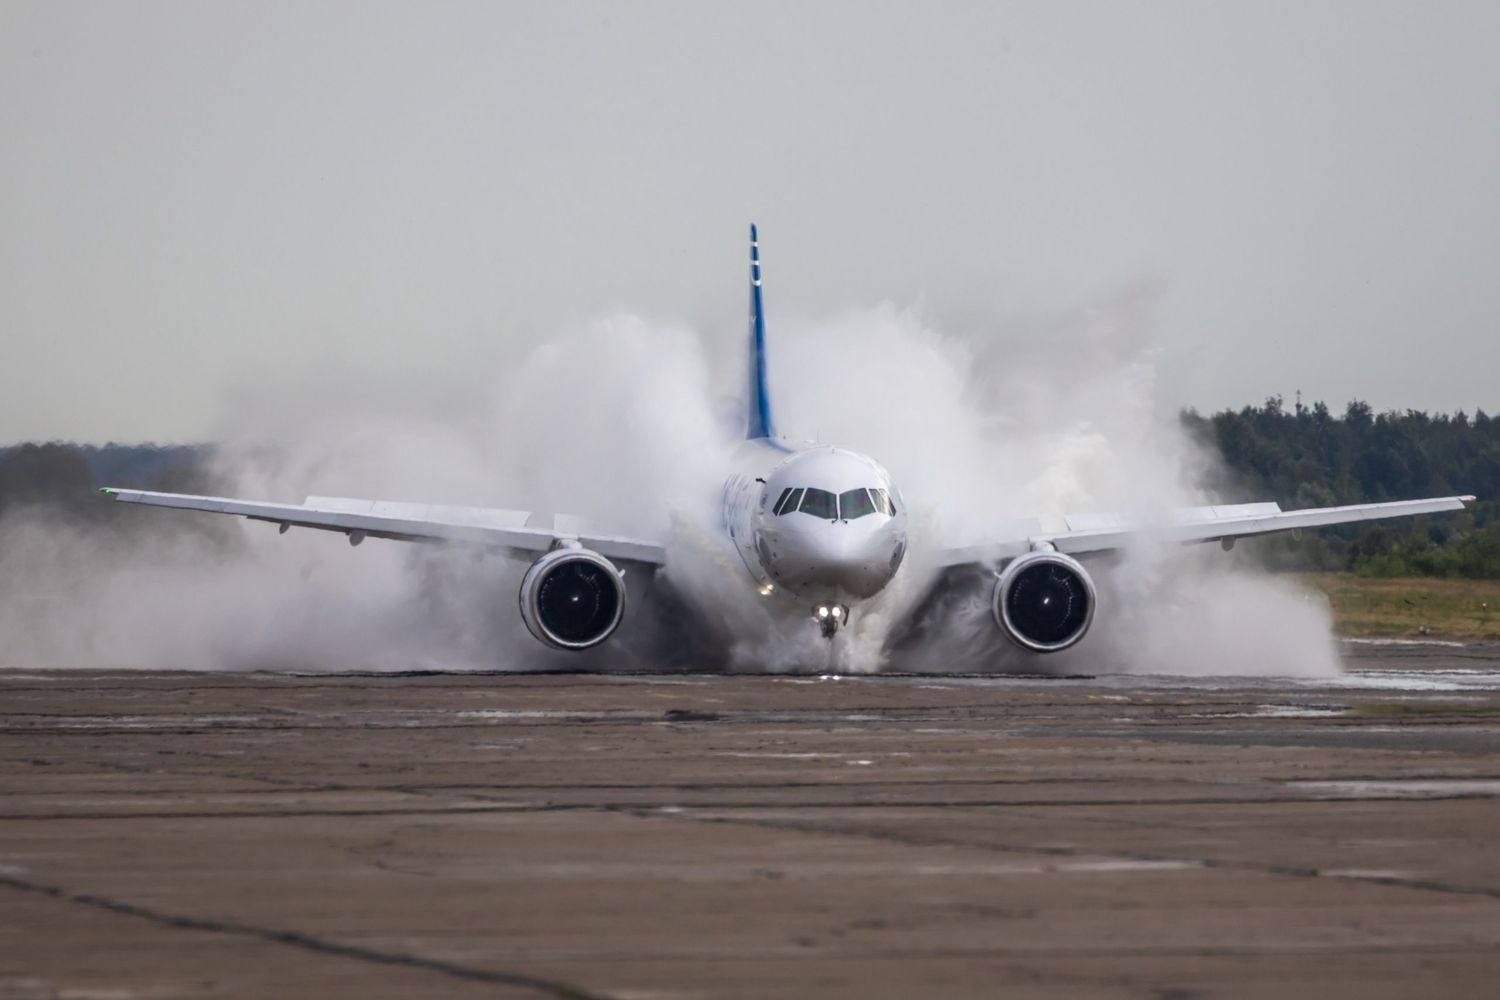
{"points": [[190, 192]]}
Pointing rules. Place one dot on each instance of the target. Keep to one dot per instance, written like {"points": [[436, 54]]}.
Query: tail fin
{"points": [[759, 424]]}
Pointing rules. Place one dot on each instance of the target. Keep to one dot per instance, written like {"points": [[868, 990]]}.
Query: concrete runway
{"points": [[174, 835]]}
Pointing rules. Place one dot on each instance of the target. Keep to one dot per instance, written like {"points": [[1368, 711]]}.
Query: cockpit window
{"points": [[855, 503], [848, 505], [820, 503]]}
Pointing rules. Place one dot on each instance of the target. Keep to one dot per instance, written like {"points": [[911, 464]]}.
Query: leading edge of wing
{"points": [[360, 519], [1254, 520]]}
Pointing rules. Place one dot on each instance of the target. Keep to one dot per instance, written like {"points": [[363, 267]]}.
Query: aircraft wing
{"points": [[1091, 533], [413, 522]]}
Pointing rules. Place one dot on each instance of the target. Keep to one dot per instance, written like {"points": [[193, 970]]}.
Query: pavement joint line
{"points": [[283, 786], [734, 715], [1130, 735], [536, 807], [928, 840], [294, 718], [307, 813], [487, 792], [307, 942]]}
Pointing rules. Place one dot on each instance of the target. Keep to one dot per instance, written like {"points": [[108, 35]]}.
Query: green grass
{"points": [[1404, 607]]}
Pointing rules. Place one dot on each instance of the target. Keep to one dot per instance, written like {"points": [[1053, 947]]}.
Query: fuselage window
{"points": [[789, 501], [781, 501], [820, 503], [883, 502], [855, 503]]}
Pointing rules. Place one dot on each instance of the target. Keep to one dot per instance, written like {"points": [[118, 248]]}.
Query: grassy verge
{"points": [[1403, 607]]}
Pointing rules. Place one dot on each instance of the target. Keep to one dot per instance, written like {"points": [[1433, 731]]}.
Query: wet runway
{"points": [[173, 835]]}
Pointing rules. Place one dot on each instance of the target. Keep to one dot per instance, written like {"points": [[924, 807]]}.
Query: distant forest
{"points": [[1308, 457], [65, 478], [1299, 457]]}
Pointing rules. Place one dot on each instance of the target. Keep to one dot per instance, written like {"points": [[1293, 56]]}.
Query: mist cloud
{"points": [[631, 422]]}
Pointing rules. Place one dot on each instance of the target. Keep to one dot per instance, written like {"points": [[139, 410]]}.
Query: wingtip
{"points": [[754, 233], [108, 491], [1470, 498]]}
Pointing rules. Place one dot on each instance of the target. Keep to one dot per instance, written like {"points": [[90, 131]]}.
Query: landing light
{"points": [[822, 612], [766, 590]]}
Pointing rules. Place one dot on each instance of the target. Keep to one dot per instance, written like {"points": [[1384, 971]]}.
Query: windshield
{"points": [[855, 503], [848, 505], [820, 503]]}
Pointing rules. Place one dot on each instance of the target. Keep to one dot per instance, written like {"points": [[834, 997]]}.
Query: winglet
{"points": [[759, 423]]}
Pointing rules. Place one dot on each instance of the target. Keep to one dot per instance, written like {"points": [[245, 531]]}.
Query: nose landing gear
{"points": [[829, 617]]}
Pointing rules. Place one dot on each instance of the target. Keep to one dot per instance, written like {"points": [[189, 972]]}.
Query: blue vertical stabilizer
{"points": [[759, 423]]}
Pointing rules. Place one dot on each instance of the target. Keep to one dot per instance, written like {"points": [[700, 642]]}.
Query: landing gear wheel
{"points": [[829, 617]]}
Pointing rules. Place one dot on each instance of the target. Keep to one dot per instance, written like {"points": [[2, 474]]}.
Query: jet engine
{"points": [[1044, 601], [572, 598]]}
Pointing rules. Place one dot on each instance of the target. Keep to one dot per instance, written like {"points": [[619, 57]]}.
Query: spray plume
{"points": [[630, 423]]}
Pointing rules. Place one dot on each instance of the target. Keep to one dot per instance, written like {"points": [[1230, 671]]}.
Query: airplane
{"points": [[822, 527]]}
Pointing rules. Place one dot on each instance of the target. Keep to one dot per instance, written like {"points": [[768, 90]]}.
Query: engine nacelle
{"points": [[572, 598], [1044, 601]]}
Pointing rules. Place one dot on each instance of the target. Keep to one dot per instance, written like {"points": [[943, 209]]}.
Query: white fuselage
{"points": [[823, 524]]}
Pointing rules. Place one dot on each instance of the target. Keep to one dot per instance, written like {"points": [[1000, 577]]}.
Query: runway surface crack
{"points": [[306, 942], [1227, 864]]}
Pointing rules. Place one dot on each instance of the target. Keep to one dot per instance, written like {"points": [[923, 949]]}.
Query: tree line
{"points": [[1308, 457], [63, 479]]}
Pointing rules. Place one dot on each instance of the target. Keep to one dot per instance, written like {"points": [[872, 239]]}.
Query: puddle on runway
{"points": [[1404, 788], [1415, 680], [1276, 712], [1450, 643]]}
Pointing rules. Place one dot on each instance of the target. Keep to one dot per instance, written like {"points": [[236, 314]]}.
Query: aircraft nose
{"points": [[854, 562]]}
